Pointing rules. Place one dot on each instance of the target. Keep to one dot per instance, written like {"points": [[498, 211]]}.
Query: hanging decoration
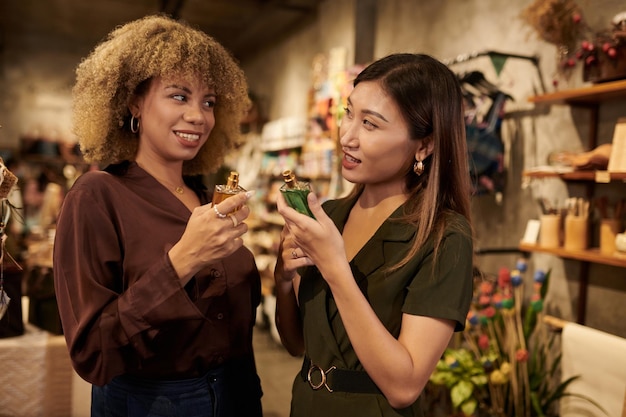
{"points": [[498, 59], [498, 62]]}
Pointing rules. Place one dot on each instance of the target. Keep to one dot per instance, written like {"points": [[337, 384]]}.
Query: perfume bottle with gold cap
{"points": [[295, 193], [231, 188]]}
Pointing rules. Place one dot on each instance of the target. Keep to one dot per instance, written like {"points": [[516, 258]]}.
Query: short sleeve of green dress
{"points": [[447, 293]]}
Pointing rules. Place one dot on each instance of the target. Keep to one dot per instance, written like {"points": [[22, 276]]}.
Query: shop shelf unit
{"points": [[591, 98]]}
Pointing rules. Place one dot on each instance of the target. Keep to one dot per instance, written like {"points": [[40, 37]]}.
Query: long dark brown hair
{"points": [[430, 98]]}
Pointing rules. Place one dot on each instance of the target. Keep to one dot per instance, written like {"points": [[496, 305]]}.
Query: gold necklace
{"points": [[179, 189]]}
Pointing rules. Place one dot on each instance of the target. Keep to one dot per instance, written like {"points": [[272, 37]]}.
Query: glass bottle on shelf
{"points": [[231, 188], [295, 193]]}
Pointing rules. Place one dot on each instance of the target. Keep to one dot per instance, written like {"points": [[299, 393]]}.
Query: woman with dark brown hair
{"points": [[372, 289]]}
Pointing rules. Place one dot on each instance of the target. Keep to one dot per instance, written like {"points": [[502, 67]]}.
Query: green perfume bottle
{"points": [[232, 187], [295, 193]]}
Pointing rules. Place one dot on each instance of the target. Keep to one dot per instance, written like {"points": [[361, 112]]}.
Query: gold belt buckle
{"points": [[323, 374]]}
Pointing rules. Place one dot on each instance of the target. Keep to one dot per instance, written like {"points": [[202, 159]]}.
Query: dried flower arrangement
{"points": [[556, 21], [561, 22]]}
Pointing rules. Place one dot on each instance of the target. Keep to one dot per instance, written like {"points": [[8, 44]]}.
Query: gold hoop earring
{"points": [[134, 127], [418, 168]]}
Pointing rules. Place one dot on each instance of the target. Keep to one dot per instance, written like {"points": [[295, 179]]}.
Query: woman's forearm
{"points": [[394, 367], [288, 320]]}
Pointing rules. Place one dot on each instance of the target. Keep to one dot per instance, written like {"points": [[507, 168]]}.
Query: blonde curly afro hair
{"points": [[138, 51]]}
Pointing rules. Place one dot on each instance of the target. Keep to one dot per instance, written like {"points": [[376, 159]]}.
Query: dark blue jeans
{"points": [[127, 396]]}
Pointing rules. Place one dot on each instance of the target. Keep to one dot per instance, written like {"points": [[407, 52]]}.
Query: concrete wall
{"points": [[530, 133], [282, 76]]}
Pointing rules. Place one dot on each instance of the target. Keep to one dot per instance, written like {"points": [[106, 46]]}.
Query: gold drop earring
{"points": [[418, 168]]}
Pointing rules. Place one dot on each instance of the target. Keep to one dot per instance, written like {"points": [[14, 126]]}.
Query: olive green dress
{"points": [[411, 290]]}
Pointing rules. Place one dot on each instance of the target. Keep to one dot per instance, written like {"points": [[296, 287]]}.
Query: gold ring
{"points": [[234, 219], [220, 215], [294, 254]]}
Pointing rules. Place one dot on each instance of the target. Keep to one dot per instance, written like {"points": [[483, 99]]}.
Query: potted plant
{"points": [[507, 363]]}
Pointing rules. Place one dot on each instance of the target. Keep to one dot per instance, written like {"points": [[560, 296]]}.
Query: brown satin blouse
{"points": [[122, 306]]}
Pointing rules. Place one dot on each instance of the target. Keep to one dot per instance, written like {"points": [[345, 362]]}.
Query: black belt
{"points": [[334, 379]]}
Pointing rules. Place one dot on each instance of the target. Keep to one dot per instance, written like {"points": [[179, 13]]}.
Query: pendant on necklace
{"points": [[180, 190]]}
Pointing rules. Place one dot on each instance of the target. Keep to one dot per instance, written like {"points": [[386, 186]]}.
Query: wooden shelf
{"points": [[591, 95], [589, 255], [594, 176]]}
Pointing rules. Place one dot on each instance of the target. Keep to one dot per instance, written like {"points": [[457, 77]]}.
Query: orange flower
{"points": [[483, 341], [521, 355]]}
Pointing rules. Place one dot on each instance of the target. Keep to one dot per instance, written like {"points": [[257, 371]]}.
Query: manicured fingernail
{"points": [[250, 193]]}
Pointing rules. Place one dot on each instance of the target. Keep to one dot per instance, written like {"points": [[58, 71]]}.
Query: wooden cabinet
{"points": [[591, 98]]}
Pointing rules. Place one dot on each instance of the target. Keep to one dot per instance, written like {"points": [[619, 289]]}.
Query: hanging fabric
{"points": [[483, 117], [484, 110]]}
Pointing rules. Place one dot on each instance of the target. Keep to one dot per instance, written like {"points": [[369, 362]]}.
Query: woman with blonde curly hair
{"points": [[156, 292]]}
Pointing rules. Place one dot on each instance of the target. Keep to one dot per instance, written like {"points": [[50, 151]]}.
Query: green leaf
{"points": [[555, 365], [465, 359], [589, 399], [441, 366], [479, 380], [559, 391], [530, 322], [469, 407], [461, 392], [536, 403], [546, 283], [438, 378]]}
